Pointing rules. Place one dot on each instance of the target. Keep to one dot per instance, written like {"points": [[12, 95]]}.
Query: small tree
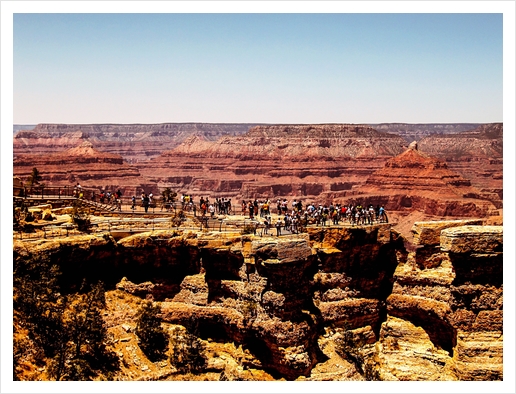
{"points": [[153, 339], [187, 353], [34, 178], [37, 299], [82, 352], [67, 331], [168, 195]]}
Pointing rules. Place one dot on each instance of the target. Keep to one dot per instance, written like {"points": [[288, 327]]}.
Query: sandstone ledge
{"points": [[428, 233], [472, 239]]}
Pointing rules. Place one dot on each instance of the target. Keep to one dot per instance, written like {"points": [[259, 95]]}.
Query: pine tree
{"points": [[34, 178], [36, 297], [168, 195], [153, 339], [66, 331]]}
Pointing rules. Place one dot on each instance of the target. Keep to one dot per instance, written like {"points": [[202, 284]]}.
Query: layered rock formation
{"points": [[417, 131], [81, 164], [452, 288], [271, 160], [476, 154], [134, 142], [315, 163], [282, 160], [297, 303], [414, 180]]}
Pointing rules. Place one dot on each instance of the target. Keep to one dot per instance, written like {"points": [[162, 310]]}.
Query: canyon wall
{"points": [[389, 309], [476, 154], [134, 142], [81, 164], [415, 180], [320, 163], [279, 160]]}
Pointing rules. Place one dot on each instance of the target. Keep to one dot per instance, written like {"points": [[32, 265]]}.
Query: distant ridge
{"points": [[18, 127], [138, 141], [416, 131]]}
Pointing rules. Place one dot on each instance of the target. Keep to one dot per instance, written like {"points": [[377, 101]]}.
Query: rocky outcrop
{"points": [[451, 293], [429, 312], [415, 180]]}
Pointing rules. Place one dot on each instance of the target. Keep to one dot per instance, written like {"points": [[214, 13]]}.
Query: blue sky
{"points": [[257, 67]]}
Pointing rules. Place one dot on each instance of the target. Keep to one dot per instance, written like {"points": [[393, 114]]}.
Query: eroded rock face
{"points": [[451, 289], [432, 313], [475, 154]]}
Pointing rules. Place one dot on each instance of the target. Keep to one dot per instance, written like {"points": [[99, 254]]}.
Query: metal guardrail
{"points": [[91, 197], [126, 211], [222, 226]]}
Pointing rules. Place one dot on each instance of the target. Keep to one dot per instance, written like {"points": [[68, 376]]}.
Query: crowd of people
{"points": [[221, 206], [291, 216], [107, 197]]}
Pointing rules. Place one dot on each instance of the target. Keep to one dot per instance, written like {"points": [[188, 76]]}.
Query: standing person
{"points": [[255, 207], [146, 202], [279, 224], [133, 202], [383, 215], [266, 226], [250, 207]]}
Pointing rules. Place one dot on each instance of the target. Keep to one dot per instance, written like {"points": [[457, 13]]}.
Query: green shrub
{"points": [[187, 353], [153, 339]]}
